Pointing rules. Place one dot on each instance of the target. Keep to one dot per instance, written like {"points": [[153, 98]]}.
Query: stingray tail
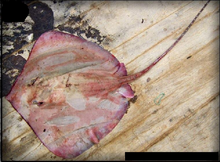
{"points": [[130, 78]]}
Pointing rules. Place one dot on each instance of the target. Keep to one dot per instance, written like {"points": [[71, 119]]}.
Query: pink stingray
{"points": [[72, 92]]}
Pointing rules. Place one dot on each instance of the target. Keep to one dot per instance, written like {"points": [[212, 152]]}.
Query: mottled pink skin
{"points": [[70, 93]]}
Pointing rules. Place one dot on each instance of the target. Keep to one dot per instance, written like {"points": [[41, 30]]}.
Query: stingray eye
{"points": [[38, 103]]}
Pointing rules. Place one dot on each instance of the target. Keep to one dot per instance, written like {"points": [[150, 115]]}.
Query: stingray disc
{"points": [[69, 93]]}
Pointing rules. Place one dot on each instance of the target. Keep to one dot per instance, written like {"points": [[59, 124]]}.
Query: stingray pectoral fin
{"points": [[126, 91], [78, 141], [56, 53]]}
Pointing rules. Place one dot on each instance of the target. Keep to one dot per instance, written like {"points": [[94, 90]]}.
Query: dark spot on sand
{"points": [[78, 26], [43, 18], [188, 57], [155, 111], [11, 67], [20, 118], [134, 99]]}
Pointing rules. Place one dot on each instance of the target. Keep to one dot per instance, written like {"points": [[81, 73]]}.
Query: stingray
{"points": [[73, 92]]}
